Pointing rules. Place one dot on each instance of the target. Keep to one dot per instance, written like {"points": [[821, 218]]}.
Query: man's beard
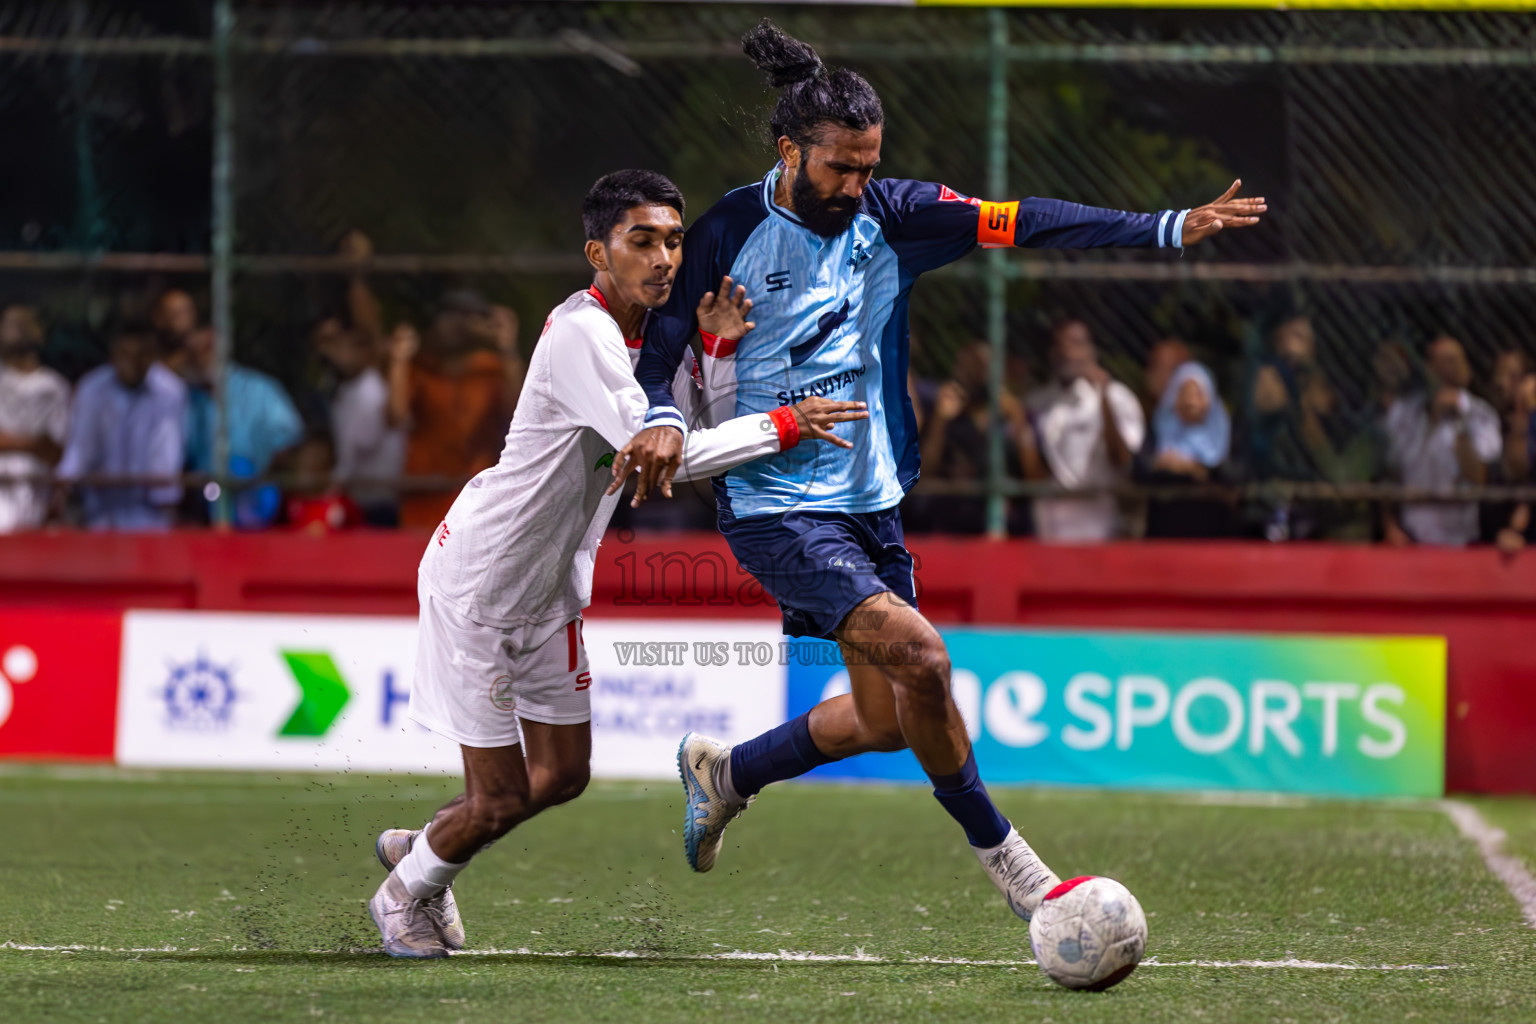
{"points": [[827, 217]]}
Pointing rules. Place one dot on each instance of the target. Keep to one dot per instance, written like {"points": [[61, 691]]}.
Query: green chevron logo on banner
{"points": [[324, 693]]}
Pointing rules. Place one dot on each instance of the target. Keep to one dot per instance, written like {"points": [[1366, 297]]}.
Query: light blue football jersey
{"points": [[831, 317]]}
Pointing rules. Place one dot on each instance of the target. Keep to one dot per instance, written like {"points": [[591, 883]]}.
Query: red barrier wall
{"points": [[1483, 603]]}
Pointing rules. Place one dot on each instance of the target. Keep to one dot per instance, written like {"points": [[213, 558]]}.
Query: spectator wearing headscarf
{"points": [[1191, 440]]}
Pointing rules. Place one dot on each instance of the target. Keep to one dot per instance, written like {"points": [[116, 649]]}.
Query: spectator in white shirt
{"points": [[1087, 430], [1437, 440], [367, 447], [34, 420]]}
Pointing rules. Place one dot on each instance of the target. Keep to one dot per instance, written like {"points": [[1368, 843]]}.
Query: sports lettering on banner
{"points": [[1347, 715], [1307, 714]]}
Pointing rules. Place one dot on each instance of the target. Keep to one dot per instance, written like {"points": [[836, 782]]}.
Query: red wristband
{"points": [[789, 428], [715, 346]]}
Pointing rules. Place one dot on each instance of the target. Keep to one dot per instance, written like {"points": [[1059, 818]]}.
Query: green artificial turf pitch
{"points": [[229, 898]]}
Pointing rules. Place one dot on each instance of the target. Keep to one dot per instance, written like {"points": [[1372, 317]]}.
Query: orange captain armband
{"points": [[995, 223]]}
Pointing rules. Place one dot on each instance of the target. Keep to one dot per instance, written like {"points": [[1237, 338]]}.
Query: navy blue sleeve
{"points": [[930, 225], [670, 329], [1053, 224], [709, 251]]}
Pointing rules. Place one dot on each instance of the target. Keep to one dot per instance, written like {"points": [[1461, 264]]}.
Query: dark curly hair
{"points": [[810, 94]]}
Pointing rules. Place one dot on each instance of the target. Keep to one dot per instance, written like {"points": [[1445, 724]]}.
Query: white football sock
{"points": [[723, 781], [423, 873]]}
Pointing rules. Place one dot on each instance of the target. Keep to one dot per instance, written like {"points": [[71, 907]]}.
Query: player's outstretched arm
{"points": [[930, 225], [1226, 212], [712, 451]]}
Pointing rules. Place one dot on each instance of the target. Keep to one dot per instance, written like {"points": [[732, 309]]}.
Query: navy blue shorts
{"points": [[819, 565]]}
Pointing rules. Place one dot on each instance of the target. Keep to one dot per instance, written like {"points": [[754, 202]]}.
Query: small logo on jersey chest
{"points": [[777, 281]]}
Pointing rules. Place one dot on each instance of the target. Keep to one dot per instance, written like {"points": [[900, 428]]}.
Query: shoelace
{"points": [[434, 910], [1012, 874], [411, 908]]}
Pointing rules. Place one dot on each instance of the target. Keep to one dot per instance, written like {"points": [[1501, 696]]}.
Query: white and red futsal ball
{"points": [[1089, 933]]}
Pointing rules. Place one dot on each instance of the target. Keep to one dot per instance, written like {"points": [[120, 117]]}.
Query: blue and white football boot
{"points": [[700, 760]]}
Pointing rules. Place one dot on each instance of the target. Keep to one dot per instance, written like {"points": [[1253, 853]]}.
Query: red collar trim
{"points": [[602, 301]]}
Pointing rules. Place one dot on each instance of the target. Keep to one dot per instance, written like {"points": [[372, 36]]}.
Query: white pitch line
{"points": [[780, 956], [1506, 867]]}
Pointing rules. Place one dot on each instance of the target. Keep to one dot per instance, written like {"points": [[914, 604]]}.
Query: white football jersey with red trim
{"points": [[516, 550]]}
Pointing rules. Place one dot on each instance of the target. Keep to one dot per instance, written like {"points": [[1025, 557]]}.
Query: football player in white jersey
{"points": [[501, 667]]}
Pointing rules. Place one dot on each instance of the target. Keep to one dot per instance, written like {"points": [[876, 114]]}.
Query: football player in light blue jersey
{"points": [[829, 255]]}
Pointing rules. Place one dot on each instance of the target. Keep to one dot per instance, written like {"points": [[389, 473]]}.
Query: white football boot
{"points": [[410, 928], [706, 812], [392, 845], [1019, 873]]}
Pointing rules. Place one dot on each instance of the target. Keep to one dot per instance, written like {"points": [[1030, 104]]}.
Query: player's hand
{"points": [[724, 313], [655, 453], [817, 416], [1226, 212]]}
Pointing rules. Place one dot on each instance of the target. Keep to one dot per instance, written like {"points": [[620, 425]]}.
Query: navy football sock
{"points": [[966, 800], [783, 752]]}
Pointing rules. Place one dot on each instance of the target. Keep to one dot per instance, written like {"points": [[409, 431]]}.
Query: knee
{"points": [[924, 672], [563, 785]]}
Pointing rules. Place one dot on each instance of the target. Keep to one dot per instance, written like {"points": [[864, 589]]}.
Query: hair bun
{"points": [[785, 59]]}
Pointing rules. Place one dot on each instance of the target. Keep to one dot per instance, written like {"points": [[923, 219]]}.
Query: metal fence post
{"points": [[222, 245], [997, 271]]}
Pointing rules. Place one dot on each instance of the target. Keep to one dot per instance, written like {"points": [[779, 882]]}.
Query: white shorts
{"points": [[473, 682]]}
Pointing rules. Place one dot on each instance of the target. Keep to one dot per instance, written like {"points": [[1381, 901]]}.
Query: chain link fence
{"points": [[1393, 147]]}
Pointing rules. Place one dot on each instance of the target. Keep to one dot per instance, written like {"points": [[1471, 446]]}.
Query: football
{"points": [[1089, 933]]}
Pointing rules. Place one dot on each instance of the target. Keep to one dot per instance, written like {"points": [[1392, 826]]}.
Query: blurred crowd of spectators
{"points": [[114, 451], [1421, 425], [131, 444]]}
